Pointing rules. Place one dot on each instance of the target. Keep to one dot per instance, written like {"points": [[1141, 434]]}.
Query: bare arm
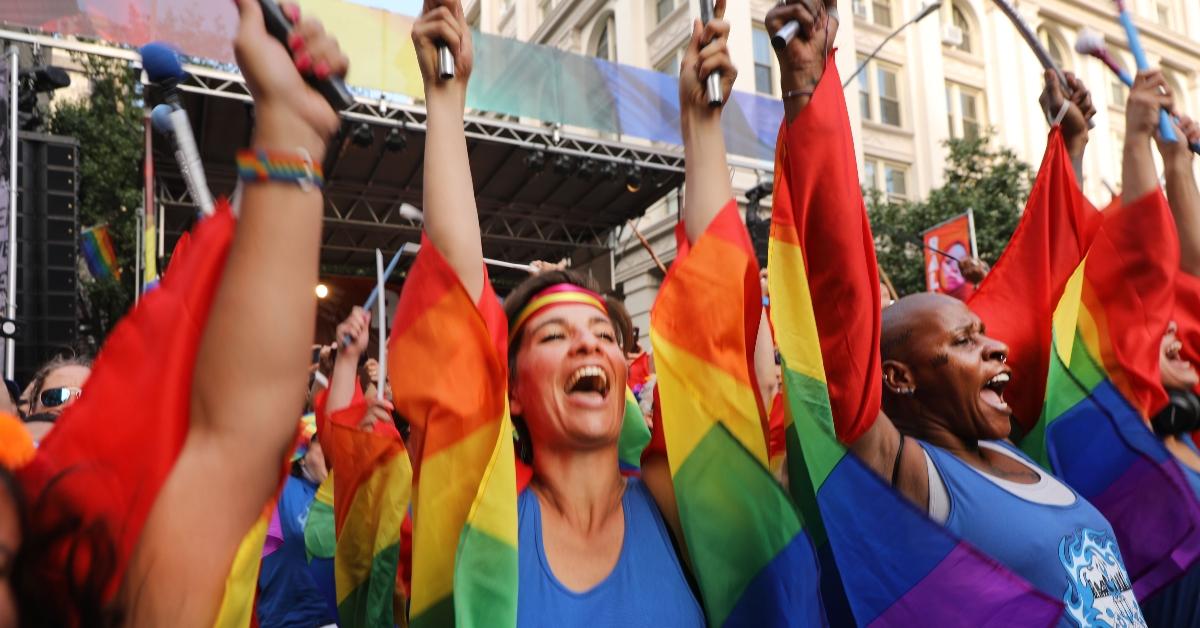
{"points": [[1074, 122], [451, 217], [1183, 195], [345, 368], [246, 396], [1149, 94]]}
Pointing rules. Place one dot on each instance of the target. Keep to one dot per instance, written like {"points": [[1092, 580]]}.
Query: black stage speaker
{"points": [[47, 249]]}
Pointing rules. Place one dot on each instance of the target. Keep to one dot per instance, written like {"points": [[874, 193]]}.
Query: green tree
{"points": [[992, 182], [108, 124]]}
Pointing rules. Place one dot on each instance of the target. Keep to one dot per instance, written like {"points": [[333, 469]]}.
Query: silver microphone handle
{"points": [[713, 88], [445, 62], [785, 35], [191, 163]]}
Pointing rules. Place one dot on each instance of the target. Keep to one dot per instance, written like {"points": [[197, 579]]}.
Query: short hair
{"points": [[522, 295], [55, 363]]}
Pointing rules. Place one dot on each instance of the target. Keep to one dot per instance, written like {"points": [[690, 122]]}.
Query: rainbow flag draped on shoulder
{"points": [[634, 436], [897, 567], [464, 569], [754, 561], [1103, 385], [371, 490]]}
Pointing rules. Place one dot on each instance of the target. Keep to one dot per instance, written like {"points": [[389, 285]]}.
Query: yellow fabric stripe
{"points": [[446, 491], [495, 509], [1067, 314], [680, 376], [792, 311], [237, 605], [373, 523]]}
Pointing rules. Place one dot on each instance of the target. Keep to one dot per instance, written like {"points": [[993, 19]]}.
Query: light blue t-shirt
{"points": [[647, 587]]}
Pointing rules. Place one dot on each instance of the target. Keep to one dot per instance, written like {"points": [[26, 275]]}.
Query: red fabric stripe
{"points": [[1130, 274], [817, 192], [1017, 300], [1187, 316]]}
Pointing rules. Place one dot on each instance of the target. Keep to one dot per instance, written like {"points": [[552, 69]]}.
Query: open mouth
{"points": [[993, 391], [588, 379]]}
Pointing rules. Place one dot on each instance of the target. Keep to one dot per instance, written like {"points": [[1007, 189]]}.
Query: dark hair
{"points": [[522, 295], [55, 363]]}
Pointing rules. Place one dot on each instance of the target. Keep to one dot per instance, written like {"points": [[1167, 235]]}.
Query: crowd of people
{"points": [[524, 461]]}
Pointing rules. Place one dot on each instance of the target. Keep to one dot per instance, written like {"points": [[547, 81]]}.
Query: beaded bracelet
{"points": [[279, 165]]}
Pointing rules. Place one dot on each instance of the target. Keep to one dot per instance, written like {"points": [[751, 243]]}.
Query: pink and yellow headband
{"points": [[554, 296]]}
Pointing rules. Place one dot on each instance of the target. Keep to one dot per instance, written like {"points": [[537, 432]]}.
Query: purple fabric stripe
{"points": [[1156, 531], [964, 582]]}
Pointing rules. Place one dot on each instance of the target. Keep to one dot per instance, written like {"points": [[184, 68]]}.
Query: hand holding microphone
{"points": [[443, 41], [707, 73]]}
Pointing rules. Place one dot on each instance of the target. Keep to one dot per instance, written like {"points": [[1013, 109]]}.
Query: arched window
{"points": [[605, 46], [1059, 52], [1178, 91], [958, 17]]}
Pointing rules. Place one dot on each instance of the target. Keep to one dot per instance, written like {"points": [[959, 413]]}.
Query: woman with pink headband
{"points": [[592, 546]]}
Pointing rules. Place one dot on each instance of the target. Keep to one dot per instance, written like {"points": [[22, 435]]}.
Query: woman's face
{"points": [[569, 384], [10, 541], [1176, 372]]}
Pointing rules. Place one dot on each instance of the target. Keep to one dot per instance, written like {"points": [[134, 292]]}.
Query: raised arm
{"points": [[1071, 114], [1149, 94], [345, 368], [1183, 194], [246, 396], [706, 171], [451, 218]]}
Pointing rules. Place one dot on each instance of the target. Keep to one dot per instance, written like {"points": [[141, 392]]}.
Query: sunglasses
{"points": [[54, 397]]}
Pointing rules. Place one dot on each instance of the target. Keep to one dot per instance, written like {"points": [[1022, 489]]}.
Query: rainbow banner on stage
{"points": [[747, 544], [372, 486], [464, 569], [1103, 384], [897, 567], [99, 253]]}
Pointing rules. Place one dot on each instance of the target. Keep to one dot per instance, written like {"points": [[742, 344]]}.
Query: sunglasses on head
{"points": [[54, 397]]}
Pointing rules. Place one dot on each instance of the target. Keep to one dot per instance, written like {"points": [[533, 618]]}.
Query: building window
{"points": [[880, 83], [1055, 47], [544, 8], [964, 110], [958, 17], [888, 177], [1177, 91], [764, 82], [1162, 12], [604, 41], [1118, 93], [878, 12], [663, 8]]}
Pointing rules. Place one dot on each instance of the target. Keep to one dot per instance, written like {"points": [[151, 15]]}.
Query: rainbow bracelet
{"points": [[260, 164]]}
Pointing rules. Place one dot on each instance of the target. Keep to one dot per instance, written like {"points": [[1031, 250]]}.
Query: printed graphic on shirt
{"points": [[1099, 592]]}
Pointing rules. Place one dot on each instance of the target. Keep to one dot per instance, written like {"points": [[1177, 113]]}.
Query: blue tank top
{"points": [[647, 586], [1069, 552], [288, 596]]}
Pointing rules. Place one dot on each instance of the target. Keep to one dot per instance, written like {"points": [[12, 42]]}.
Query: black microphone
{"points": [[332, 88], [162, 66]]}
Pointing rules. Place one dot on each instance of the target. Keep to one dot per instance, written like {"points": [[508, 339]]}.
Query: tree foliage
{"points": [[992, 182], [108, 124]]}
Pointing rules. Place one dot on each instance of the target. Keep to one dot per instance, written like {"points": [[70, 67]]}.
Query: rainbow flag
{"points": [[372, 486], [1103, 384], [897, 567], [149, 259], [241, 585], [99, 253], [745, 539], [464, 569], [634, 436]]}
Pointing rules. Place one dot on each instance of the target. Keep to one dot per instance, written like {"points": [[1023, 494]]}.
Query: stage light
{"points": [[536, 161], [322, 291], [587, 169], [396, 140], [633, 178], [564, 165], [608, 171], [362, 135]]}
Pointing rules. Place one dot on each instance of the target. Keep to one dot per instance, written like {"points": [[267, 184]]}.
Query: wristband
{"points": [[260, 164]]}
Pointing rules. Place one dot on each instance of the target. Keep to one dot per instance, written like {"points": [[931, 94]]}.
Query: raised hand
{"points": [[1180, 153], [1079, 109], [443, 22], [802, 61], [357, 327], [1149, 94], [706, 52], [288, 112]]}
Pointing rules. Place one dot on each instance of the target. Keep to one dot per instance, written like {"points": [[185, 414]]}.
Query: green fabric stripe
{"points": [[440, 615], [634, 433], [485, 581], [736, 518], [1063, 391], [320, 539], [802, 491], [808, 403], [370, 604]]}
